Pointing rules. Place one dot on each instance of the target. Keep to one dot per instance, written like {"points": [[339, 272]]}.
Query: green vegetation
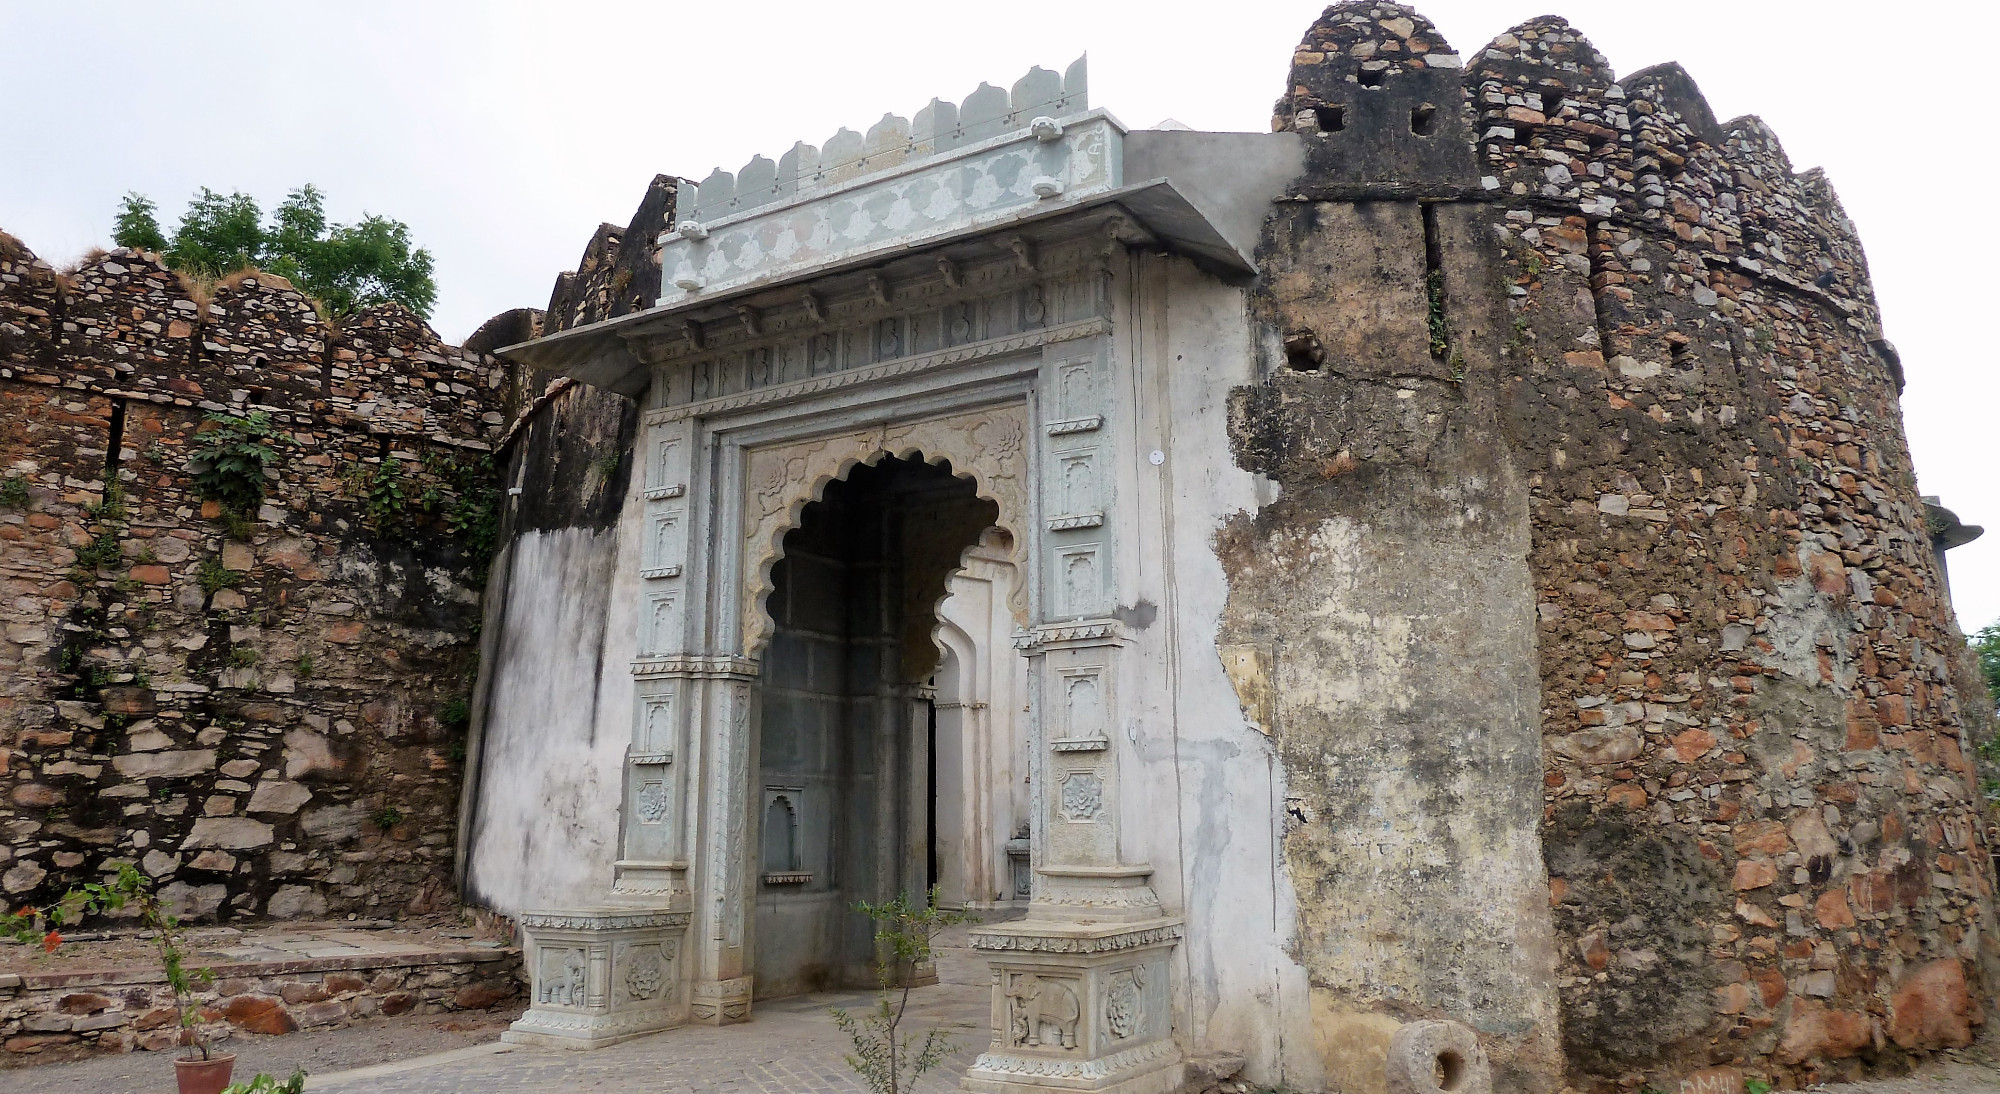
{"points": [[215, 577], [103, 550], [127, 886], [14, 492], [1440, 334], [471, 514], [463, 496], [1986, 644], [386, 817], [242, 656], [265, 1084], [455, 715], [344, 266], [1986, 647], [380, 491], [888, 1061], [229, 466]]}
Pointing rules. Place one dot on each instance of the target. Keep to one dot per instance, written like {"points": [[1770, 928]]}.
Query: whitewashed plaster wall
{"points": [[1187, 339], [545, 828]]}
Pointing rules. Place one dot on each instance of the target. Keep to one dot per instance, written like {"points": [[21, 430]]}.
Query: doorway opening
{"points": [[848, 715]]}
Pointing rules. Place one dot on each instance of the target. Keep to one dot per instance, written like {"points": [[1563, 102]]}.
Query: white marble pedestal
{"points": [[600, 975]]}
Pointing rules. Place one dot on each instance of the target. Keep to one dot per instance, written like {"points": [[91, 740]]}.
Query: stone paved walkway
{"points": [[791, 1048]]}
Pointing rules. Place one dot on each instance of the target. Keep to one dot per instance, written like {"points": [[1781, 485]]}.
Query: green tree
{"points": [[344, 266], [218, 235], [890, 1061], [138, 225], [1987, 645]]}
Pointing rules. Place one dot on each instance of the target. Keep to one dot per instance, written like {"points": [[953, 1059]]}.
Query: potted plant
{"points": [[199, 1070]]}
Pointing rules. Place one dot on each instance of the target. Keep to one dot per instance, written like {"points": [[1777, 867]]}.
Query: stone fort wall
{"points": [[1519, 294], [265, 721]]}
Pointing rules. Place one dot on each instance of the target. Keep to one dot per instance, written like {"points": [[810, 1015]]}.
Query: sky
{"points": [[504, 132]]}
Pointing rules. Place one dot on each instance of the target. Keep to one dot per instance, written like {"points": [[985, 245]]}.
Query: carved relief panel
{"points": [[663, 552], [1076, 488], [651, 775]]}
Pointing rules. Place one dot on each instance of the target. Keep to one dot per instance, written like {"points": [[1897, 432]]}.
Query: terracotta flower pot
{"points": [[208, 1076]]}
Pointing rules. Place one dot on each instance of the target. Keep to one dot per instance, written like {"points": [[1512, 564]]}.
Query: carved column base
{"points": [[1079, 1006], [598, 976], [721, 1002]]}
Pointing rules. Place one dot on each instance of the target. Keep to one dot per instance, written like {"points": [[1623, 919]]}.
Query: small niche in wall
{"points": [[1422, 119], [1330, 119], [781, 837]]}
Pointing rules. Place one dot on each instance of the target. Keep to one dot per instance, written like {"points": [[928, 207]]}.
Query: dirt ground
{"points": [[319, 1052]]}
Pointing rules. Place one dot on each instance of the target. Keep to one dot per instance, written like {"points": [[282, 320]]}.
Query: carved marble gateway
{"points": [[954, 294]]}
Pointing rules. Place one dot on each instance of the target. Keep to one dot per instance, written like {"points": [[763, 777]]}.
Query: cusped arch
{"points": [[987, 447]]}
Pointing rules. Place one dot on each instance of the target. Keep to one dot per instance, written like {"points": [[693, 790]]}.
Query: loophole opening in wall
{"points": [[1303, 353], [1374, 77], [1448, 1070], [1422, 118], [1330, 119]]}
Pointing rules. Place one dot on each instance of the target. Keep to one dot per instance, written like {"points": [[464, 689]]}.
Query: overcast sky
{"points": [[504, 132]]}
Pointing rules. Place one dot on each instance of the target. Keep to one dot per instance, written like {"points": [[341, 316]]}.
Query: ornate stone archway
{"points": [[989, 445]]}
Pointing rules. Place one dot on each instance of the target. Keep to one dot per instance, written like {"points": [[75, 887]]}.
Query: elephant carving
{"points": [[562, 978], [1040, 1004]]}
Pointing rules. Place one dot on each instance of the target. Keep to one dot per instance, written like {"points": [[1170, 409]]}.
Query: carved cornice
{"points": [[1096, 632], [833, 381], [603, 920], [697, 667], [1018, 941]]}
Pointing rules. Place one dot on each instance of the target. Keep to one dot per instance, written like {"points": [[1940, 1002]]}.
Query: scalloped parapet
{"points": [[938, 129], [993, 159]]}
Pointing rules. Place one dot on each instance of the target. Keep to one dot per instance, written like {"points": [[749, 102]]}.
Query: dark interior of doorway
{"points": [[845, 749]]}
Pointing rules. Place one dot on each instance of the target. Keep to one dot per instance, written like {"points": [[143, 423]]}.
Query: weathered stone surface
{"points": [[1932, 1008], [1602, 746], [193, 901], [22, 877], [1816, 1031], [278, 797], [484, 995], [232, 833], [291, 901], [258, 1014], [164, 765]]}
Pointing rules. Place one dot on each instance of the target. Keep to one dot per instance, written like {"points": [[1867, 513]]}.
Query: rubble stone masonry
{"points": [[1587, 314], [269, 722]]}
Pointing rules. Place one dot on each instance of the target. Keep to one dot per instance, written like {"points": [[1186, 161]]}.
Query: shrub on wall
{"points": [[229, 467]]}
